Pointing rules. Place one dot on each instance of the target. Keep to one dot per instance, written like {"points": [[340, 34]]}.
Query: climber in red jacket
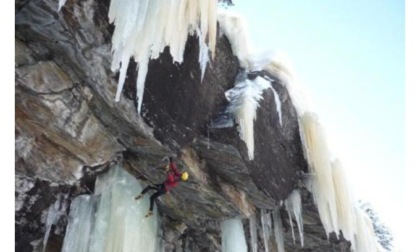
{"points": [[171, 181]]}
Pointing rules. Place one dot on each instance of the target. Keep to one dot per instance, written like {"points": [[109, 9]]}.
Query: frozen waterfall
{"points": [[111, 220], [233, 236]]}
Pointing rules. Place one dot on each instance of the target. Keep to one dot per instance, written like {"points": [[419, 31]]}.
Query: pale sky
{"points": [[349, 56]]}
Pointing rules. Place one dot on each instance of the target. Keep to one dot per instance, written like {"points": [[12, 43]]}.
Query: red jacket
{"points": [[173, 177]]}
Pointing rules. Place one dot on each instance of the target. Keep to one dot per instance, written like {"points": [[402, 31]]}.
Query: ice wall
{"points": [[81, 220], [144, 28], [233, 236], [111, 220]]}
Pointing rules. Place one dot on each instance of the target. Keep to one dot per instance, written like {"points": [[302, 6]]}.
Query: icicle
{"points": [[266, 227], [278, 105], [293, 205], [345, 203], [244, 100], [80, 224], [55, 212], [203, 57], [61, 3], [117, 222], [144, 28], [233, 26], [319, 162], [253, 232], [233, 236], [278, 230], [330, 190]]}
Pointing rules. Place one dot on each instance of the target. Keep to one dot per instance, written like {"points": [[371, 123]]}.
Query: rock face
{"points": [[69, 129]]}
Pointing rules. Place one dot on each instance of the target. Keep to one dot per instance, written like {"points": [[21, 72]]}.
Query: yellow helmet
{"points": [[184, 176]]}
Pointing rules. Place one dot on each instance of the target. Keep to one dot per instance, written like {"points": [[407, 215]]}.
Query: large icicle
{"points": [[278, 230], [319, 162], [234, 27], [266, 227], [345, 203], [55, 212], [144, 28], [293, 205], [118, 223], [244, 100], [278, 105], [327, 182], [233, 236], [253, 232], [80, 224], [61, 3], [330, 190]]}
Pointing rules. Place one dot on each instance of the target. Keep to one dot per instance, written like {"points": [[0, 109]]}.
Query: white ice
{"points": [[278, 230], [233, 236], [117, 222], [244, 100], [293, 206], [330, 190], [144, 28]]}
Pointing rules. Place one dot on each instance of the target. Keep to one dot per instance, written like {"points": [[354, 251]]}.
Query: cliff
{"points": [[69, 130]]}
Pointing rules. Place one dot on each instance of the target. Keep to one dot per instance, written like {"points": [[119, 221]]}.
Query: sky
{"points": [[350, 58]]}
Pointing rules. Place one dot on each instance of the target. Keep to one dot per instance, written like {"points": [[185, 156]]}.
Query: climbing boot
{"points": [[139, 197], [148, 214]]}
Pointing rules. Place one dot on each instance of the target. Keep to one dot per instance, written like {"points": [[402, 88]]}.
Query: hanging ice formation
{"points": [[144, 28], [61, 3], [278, 230], [233, 236], [111, 220], [329, 188], [244, 100], [293, 206], [245, 96], [272, 235], [55, 212], [253, 232], [328, 185]]}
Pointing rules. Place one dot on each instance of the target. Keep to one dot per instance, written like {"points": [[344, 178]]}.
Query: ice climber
{"points": [[171, 181]]}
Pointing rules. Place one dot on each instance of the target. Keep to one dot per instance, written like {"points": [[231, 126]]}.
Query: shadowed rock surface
{"points": [[69, 129]]}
